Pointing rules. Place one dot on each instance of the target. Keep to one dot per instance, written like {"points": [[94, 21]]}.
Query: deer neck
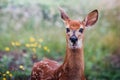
{"points": [[73, 65], [74, 59]]}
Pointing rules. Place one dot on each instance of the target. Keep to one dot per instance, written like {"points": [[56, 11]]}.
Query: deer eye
{"points": [[81, 30], [67, 30]]}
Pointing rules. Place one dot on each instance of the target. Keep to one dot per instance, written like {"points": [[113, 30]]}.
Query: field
{"points": [[33, 30]]}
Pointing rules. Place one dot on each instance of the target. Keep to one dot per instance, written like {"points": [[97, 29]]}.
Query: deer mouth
{"points": [[73, 45]]}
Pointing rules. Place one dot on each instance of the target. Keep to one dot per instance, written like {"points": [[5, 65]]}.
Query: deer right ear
{"points": [[64, 16], [91, 18]]}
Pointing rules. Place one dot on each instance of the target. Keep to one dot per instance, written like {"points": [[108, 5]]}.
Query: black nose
{"points": [[73, 39]]}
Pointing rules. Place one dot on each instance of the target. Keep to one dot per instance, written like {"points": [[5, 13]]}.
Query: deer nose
{"points": [[73, 39]]}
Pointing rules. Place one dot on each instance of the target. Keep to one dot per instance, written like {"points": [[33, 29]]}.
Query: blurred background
{"points": [[33, 30]]}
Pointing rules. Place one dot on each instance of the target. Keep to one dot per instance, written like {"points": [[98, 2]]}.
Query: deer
{"points": [[72, 67]]}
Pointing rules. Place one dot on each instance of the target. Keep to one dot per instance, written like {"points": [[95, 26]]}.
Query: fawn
{"points": [[73, 65]]}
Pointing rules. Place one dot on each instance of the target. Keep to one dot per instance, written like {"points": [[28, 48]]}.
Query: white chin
{"points": [[73, 46]]}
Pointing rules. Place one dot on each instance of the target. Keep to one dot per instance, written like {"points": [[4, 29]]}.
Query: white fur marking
{"points": [[67, 26], [81, 26], [80, 43]]}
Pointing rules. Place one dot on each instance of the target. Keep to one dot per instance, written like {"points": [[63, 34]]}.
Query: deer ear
{"points": [[91, 18], [64, 16]]}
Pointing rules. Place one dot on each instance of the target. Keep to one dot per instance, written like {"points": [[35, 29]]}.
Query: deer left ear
{"points": [[91, 18], [64, 16]]}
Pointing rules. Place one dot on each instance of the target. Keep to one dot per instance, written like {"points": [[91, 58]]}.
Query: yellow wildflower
{"points": [[4, 79], [13, 43], [48, 50], [34, 50], [27, 45], [10, 75], [4, 74], [7, 49], [7, 72], [17, 43], [32, 39], [34, 45], [45, 48], [40, 40], [21, 67]]}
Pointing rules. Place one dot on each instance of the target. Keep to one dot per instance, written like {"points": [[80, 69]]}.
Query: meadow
{"points": [[33, 30]]}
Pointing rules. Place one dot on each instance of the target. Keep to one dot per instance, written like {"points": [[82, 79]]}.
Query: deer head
{"points": [[75, 28]]}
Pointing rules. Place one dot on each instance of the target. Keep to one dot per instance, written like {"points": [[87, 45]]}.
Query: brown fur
{"points": [[44, 70], [74, 24]]}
